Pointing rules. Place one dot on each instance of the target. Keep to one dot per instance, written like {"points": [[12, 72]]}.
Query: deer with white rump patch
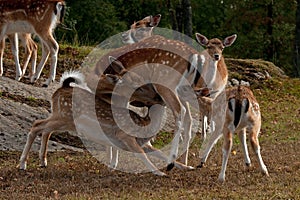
{"points": [[68, 110], [141, 29], [30, 53], [242, 116], [38, 17]]}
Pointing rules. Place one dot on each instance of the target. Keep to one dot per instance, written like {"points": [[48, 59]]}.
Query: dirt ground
{"points": [[73, 175]]}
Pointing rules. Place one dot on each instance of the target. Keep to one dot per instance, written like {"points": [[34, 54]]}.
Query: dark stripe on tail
{"points": [[237, 113], [67, 82]]}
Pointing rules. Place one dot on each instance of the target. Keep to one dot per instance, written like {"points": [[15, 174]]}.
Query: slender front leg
{"points": [[173, 102], [208, 144], [187, 130]]}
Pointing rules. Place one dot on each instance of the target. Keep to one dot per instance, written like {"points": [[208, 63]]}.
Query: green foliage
{"points": [[265, 28]]}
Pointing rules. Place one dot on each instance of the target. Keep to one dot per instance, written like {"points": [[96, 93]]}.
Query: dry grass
{"points": [[72, 175]]}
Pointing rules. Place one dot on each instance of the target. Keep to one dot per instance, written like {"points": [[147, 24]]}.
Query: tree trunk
{"points": [[270, 48], [187, 17], [297, 42]]}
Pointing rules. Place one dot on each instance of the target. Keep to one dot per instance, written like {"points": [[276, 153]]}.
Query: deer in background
{"points": [[141, 29], [30, 53], [38, 17], [67, 111], [242, 116]]}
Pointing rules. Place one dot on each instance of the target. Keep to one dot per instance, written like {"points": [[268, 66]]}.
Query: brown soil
{"points": [[75, 175]]}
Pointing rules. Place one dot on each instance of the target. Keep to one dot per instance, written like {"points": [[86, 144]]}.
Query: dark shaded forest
{"points": [[266, 28]]}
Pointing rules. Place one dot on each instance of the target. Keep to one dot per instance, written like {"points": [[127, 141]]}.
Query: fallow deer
{"points": [[38, 17], [150, 56], [203, 70], [214, 72], [30, 53], [68, 110], [242, 116], [141, 29]]}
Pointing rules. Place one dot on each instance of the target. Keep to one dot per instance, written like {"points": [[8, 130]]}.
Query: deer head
{"points": [[215, 46], [141, 29]]}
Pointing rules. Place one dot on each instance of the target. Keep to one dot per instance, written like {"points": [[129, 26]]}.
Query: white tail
{"points": [[242, 115], [141, 29], [39, 17]]}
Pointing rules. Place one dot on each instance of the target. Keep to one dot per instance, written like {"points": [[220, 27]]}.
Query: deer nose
{"points": [[217, 57]]}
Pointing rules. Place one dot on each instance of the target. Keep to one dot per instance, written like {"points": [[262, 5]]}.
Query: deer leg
{"points": [[2, 46], [15, 51], [173, 102], [49, 127], [132, 145], [36, 129], [208, 144], [256, 148], [187, 130], [44, 148], [28, 52], [45, 55], [148, 148], [226, 151], [242, 137], [33, 59], [53, 47], [113, 154]]}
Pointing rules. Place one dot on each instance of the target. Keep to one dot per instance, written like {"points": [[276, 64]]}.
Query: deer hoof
{"points": [[170, 166]]}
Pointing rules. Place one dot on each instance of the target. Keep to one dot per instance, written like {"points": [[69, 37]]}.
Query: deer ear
{"points": [[116, 65], [229, 40], [155, 20], [202, 39]]}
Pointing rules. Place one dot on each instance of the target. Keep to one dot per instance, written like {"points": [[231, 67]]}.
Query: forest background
{"points": [[266, 29]]}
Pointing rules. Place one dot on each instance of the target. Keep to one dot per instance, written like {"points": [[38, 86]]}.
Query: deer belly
{"points": [[19, 27]]}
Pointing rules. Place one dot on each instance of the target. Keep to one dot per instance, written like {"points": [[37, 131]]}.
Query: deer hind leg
{"points": [[30, 53], [226, 151], [242, 137], [45, 55], [36, 129], [49, 127], [173, 102], [13, 38], [52, 47], [256, 147]]}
